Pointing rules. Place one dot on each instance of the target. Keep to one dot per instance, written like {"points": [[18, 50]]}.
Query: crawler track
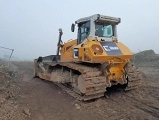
{"points": [[134, 77], [94, 82]]}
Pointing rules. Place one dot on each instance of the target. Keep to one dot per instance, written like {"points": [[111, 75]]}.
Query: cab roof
{"points": [[99, 17]]}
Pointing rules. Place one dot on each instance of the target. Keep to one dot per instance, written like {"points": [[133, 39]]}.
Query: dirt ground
{"points": [[35, 99]]}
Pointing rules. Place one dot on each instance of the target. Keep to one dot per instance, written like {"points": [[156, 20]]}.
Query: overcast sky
{"points": [[31, 26]]}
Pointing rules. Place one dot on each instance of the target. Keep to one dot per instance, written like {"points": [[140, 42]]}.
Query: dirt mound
{"points": [[147, 58]]}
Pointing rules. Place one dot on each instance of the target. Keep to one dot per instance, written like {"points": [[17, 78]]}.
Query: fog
{"points": [[31, 26]]}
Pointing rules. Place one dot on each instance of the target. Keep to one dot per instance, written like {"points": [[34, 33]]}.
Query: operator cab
{"points": [[99, 26]]}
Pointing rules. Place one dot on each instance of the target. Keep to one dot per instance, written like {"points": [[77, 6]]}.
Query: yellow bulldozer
{"points": [[92, 63]]}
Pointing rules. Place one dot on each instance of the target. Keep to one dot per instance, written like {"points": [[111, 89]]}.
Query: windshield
{"points": [[105, 30]]}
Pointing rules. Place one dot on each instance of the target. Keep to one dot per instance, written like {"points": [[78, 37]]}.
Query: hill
{"points": [[147, 58]]}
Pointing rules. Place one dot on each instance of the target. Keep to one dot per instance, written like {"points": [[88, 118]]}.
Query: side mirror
{"points": [[73, 27]]}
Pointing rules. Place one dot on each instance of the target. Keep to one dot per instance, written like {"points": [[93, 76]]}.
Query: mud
{"points": [[42, 100]]}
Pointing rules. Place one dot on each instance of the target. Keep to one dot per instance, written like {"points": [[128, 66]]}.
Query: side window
{"points": [[83, 31]]}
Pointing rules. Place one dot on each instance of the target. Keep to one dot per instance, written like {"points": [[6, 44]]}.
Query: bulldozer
{"points": [[92, 63]]}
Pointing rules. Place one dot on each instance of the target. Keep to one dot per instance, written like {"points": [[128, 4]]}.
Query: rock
{"points": [[2, 88], [77, 106], [106, 96], [114, 112], [26, 111], [2, 100], [97, 104], [15, 106]]}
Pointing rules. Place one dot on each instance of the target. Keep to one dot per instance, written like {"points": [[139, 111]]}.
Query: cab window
{"points": [[105, 30], [83, 31]]}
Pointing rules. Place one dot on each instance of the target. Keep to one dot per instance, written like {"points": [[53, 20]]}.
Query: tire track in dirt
{"points": [[131, 99], [152, 110]]}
